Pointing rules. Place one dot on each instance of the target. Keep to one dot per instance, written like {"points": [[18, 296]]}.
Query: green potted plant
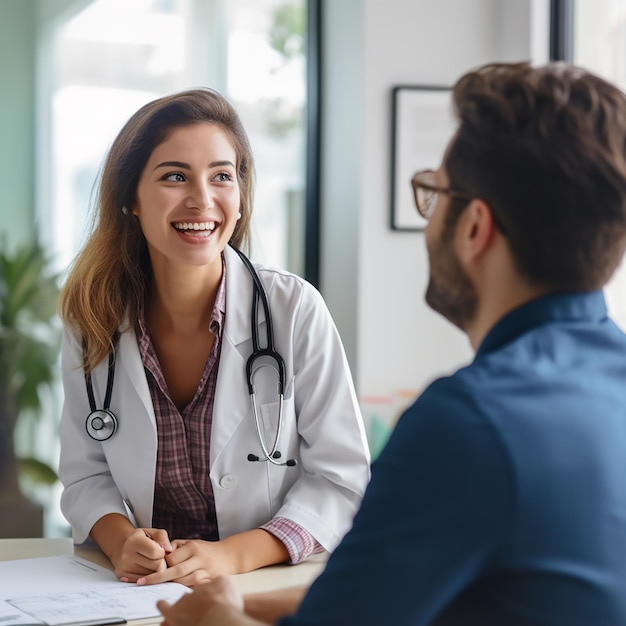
{"points": [[29, 352]]}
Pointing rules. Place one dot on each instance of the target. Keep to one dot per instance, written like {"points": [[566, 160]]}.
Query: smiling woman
{"points": [[187, 205], [188, 191], [80, 68], [161, 313]]}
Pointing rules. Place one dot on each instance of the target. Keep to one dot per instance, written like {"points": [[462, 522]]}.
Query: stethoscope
{"points": [[102, 424]]}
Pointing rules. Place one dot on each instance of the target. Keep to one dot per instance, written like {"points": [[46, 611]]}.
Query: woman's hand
{"points": [[192, 607], [144, 552], [134, 552], [192, 562]]}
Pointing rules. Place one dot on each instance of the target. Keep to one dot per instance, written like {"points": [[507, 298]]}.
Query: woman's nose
{"points": [[200, 197]]}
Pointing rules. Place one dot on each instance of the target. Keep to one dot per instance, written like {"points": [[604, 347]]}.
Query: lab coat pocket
{"points": [[271, 421], [280, 477]]}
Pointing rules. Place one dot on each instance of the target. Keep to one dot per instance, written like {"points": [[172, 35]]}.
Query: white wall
{"points": [[370, 273]]}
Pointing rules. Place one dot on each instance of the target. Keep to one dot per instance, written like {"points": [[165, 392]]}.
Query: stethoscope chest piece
{"points": [[101, 424]]}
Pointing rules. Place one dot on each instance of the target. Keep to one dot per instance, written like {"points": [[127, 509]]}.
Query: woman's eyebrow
{"points": [[186, 166]]}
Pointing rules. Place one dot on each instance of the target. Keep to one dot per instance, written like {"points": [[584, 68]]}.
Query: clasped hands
{"points": [[148, 557]]}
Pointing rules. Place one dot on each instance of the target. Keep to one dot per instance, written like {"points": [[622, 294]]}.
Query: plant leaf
{"points": [[37, 471]]}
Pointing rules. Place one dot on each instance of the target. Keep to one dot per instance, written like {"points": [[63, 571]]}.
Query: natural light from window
{"points": [[600, 46], [107, 67]]}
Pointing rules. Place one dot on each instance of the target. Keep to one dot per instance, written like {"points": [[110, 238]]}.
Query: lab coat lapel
{"points": [[239, 300], [133, 368], [133, 452], [232, 401]]}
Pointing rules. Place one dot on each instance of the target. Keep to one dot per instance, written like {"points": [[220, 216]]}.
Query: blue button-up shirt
{"points": [[500, 498]]}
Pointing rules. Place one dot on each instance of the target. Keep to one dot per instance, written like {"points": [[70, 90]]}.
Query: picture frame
{"points": [[422, 125]]}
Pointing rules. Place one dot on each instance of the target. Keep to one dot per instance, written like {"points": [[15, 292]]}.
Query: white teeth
{"points": [[194, 226]]}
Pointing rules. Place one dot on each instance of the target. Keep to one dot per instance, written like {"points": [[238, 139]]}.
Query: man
{"points": [[500, 498]]}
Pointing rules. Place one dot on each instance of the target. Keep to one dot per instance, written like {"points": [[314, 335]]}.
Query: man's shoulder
{"points": [[464, 385], [473, 397], [566, 370], [451, 404], [453, 436]]}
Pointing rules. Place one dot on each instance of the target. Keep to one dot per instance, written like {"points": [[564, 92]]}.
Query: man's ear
{"points": [[476, 231]]}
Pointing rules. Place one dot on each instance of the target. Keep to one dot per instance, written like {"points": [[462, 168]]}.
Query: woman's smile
{"points": [[195, 231]]}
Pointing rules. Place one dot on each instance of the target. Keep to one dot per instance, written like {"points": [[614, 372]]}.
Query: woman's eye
{"points": [[175, 177], [223, 177]]}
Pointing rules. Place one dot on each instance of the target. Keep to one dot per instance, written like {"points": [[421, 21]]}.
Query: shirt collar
{"points": [[219, 306], [216, 323], [543, 310]]}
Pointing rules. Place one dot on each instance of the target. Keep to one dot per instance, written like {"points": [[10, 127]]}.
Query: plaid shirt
{"points": [[183, 496]]}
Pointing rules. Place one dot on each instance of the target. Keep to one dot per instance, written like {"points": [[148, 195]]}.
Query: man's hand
{"points": [[193, 607], [219, 604]]}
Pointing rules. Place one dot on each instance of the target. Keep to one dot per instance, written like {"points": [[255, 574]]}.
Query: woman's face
{"points": [[188, 197]]}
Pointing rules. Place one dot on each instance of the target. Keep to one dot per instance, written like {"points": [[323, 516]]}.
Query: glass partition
{"points": [[112, 56]]}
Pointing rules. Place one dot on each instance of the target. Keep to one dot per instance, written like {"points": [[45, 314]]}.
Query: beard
{"points": [[450, 291]]}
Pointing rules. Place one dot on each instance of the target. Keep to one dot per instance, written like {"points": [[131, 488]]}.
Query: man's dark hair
{"points": [[545, 148]]}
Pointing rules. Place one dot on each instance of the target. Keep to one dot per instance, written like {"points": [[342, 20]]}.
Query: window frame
{"points": [[562, 30], [313, 143]]}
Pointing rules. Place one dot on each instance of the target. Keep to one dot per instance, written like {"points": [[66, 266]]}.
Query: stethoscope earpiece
{"points": [[289, 462]]}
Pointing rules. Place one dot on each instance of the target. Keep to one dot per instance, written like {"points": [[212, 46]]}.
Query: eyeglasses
{"points": [[426, 192]]}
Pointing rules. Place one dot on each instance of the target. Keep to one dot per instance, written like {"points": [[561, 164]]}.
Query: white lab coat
{"points": [[322, 426]]}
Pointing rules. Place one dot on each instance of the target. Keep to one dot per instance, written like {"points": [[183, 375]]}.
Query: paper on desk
{"points": [[65, 589], [52, 574], [10, 616]]}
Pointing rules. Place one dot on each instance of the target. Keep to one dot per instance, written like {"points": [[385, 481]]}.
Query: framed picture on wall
{"points": [[422, 125]]}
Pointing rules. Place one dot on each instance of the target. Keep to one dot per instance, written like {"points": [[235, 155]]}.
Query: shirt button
{"points": [[228, 481]]}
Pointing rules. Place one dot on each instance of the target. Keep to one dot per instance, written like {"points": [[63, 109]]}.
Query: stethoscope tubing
{"points": [[102, 424], [257, 353]]}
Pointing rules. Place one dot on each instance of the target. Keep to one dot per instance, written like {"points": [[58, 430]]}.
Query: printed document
{"points": [[61, 590]]}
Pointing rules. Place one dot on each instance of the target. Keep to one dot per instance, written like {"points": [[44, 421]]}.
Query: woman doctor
{"points": [[163, 462]]}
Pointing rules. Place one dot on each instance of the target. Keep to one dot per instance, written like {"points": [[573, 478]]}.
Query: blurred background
{"points": [[313, 82]]}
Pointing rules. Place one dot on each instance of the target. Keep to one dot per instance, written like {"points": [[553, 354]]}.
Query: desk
{"points": [[265, 579]]}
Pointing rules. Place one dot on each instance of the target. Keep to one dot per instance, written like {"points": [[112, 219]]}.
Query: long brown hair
{"points": [[109, 279]]}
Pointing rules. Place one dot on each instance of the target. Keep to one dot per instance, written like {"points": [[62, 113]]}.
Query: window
{"points": [[113, 56], [598, 43], [599, 38]]}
